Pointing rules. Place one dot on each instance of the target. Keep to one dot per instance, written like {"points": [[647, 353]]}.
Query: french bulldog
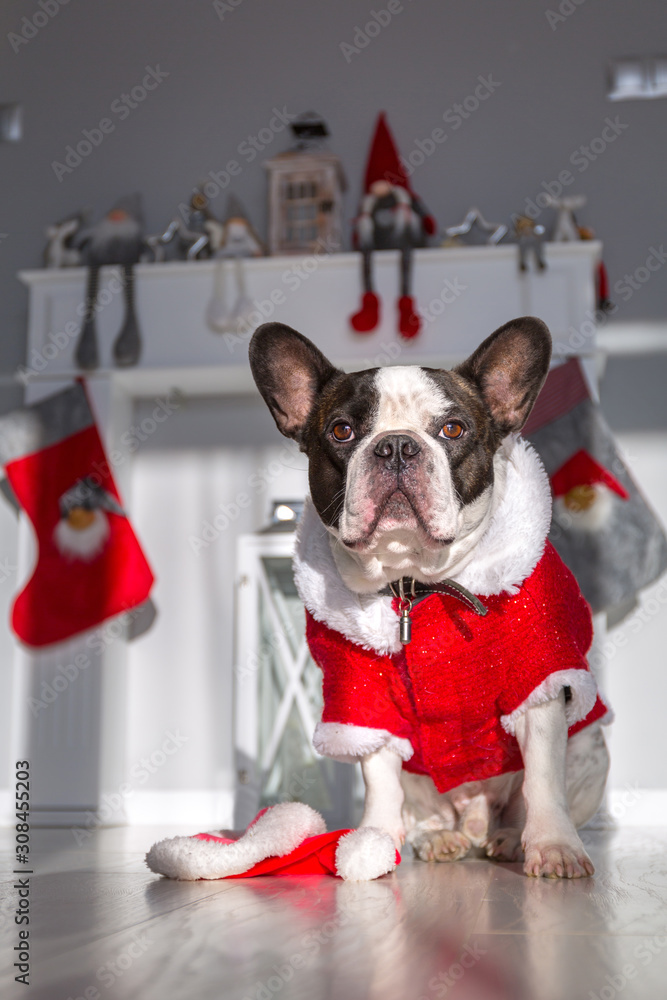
{"points": [[451, 637]]}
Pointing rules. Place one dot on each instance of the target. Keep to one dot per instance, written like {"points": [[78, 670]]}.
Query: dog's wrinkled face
{"points": [[401, 459]]}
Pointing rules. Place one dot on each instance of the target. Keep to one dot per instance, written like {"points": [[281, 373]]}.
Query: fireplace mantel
{"points": [[465, 293]]}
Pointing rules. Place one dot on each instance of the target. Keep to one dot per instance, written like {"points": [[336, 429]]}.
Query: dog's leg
{"points": [[384, 794], [586, 768], [550, 841]]}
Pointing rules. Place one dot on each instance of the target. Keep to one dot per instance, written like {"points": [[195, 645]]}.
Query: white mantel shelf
{"points": [[482, 288]]}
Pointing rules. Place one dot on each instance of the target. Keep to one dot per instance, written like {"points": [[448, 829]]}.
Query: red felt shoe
{"points": [[409, 322], [368, 316]]}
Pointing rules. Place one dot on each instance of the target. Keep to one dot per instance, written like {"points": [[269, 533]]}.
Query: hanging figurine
{"points": [[239, 240], [63, 248], [391, 218], [530, 237], [116, 239]]}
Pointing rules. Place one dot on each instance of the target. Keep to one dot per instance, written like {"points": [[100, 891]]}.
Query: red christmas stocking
{"points": [[90, 566]]}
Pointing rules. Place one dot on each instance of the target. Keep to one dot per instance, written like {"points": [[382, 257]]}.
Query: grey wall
{"points": [[226, 76]]}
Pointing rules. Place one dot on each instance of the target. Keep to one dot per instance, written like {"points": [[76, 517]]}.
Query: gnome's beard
{"points": [[86, 543], [114, 241], [593, 518]]}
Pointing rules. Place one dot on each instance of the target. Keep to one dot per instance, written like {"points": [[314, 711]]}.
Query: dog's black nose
{"points": [[397, 449]]}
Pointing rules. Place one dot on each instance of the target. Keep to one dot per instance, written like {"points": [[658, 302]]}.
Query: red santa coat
{"points": [[453, 690]]}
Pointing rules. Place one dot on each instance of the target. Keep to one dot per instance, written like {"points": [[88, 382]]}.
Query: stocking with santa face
{"points": [[602, 527], [90, 566]]}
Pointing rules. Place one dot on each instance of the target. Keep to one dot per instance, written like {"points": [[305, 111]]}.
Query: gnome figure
{"points": [[83, 529], [530, 237], [391, 218], [238, 240], [116, 239]]}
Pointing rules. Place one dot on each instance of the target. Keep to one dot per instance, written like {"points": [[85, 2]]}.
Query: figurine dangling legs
{"points": [[87, 353], [368, 316], [409, 322], [127, 346]]}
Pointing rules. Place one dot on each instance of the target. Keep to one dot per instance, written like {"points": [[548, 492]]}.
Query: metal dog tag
{"points": [[406, 625]]}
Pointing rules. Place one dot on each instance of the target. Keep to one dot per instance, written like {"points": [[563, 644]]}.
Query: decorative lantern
{"points": [[306, 186], [278, 689]]}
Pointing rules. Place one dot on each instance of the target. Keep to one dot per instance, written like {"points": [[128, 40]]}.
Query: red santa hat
{"points": [[583, 470], [286, 839]]}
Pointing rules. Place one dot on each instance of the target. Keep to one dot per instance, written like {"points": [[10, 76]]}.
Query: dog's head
{"points": [[401, 460]]}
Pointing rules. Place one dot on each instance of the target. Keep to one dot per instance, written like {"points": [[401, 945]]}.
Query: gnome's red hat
{"points": [[384, 162], [583, 470]]}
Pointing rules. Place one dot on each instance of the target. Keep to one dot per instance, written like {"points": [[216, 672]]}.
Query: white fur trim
{"points": [[20, 434], [82, 544], [584, 693], [502, 558], [366, 619], [365, 854], [278, 832], [349, 743], [512, 545]]}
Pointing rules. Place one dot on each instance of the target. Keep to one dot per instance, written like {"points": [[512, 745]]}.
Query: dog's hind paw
{"points": [[440, 845], [504, 845]]}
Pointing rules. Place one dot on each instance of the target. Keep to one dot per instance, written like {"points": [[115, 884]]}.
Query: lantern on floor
{"points": [[278, 688], [306, 185]]}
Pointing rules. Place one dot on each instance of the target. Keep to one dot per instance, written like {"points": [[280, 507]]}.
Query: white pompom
{"points": [[365, 854]]}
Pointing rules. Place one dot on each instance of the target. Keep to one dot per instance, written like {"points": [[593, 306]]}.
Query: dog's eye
{"points": [[451, 430], [342, 432]]}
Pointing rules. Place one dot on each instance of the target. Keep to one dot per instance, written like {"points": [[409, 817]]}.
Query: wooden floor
{"points": [[102, 926]]}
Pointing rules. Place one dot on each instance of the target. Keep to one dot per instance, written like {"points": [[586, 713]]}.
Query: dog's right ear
{"points": [[290, 372]]}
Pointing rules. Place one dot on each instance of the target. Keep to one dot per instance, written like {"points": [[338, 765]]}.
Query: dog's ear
{"points": [[509, 369], [290, 372]]}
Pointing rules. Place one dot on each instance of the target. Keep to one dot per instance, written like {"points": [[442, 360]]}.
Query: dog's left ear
{"points": [[290, 372], [509, 369]]}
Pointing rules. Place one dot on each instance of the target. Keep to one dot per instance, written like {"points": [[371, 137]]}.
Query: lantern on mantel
{"points": [[306, 185]]}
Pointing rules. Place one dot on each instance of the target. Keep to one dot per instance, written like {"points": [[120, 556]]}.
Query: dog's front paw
{"points": [[504, 845], [395, 829], [440, 845], [567, 859]]}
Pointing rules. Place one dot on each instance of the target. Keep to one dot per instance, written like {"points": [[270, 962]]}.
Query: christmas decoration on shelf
{"points": [[286, 839], [306, 186], [195, 234], [90, 566], [63, 248], [391, 217], [116, 239], [566, 228], [475, 220], [602, 527], [238, 240], [530, 236]]}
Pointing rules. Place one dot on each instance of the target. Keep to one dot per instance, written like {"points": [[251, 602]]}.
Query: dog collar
{"points": [[409, 592]]}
